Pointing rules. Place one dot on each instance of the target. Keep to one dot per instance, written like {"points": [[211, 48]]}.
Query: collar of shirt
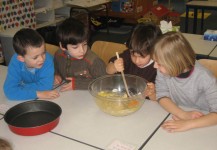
{"points": [[150, 62], [31, 70], [186, 74]]}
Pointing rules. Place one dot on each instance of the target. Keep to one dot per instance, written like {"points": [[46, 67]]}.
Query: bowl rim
{"points": [[118, 75]]}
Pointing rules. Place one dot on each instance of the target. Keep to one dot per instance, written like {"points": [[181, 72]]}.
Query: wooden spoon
{"points": [[123, 77]]}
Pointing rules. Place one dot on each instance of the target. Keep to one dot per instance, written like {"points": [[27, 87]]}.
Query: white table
{"points": [[47, 141], [89, 124], [203, 5], [83, 126], [3, 99], [214, 53], [199, 45], [196, 139]]}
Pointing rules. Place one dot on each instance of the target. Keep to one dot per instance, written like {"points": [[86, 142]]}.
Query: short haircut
{"points": [[72, 31], [25, 38], [142, 38], [174, 53]]}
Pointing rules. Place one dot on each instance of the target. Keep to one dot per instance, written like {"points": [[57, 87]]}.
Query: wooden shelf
{"points": [[124, 15], [50, 12], [140, 8], [128, 17]]}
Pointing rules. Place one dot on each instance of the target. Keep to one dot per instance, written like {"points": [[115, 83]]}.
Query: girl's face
{"points": [[77, 51], [161, 68], [140, 61], [35, 57]]}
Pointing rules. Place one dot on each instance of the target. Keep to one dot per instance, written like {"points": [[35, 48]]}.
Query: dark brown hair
{"points": [[142, 38], [25, 38], [72, 31]]}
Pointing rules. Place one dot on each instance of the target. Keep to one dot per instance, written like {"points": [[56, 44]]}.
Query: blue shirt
{"points": [[22, 83]]}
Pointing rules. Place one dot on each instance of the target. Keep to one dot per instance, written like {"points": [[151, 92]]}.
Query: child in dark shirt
{"points": [[75, 62], [136, 59]]}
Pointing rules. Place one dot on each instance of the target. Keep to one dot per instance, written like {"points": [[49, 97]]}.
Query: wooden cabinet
{"points": [[140, 7], [50, 12]]}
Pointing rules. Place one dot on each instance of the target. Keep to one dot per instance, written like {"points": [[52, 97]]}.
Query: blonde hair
{"points": [[5, 145], [174, 53]]}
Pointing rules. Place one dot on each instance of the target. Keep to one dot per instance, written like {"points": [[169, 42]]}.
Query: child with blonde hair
{"points": [[182, 81]]}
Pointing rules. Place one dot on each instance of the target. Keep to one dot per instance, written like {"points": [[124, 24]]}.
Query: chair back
{"points": [[106, 50], [209, 64], [51, 48]]}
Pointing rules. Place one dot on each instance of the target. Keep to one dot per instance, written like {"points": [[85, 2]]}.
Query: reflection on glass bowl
{"points": [[110, 94]]}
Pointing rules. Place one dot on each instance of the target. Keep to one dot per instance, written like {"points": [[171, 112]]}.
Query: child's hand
{"points": [[57, 79], [181, 124], [150, 91], [192, 115], [68, 86], [119, 64], [177, 125], [195, 114], [48, 94]]}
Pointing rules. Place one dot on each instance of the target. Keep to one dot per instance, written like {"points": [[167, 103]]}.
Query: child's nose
{"points": [[137, 60]]}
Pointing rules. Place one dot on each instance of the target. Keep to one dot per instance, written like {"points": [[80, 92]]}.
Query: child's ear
{"points": [[20, 58], [61, 47]]}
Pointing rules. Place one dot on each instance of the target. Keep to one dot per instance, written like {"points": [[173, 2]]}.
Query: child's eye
{"points": [[42, 55], [74, 46], [35, 58]]}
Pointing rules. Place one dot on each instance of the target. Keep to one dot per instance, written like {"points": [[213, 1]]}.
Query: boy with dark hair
{"points": [[136, 59], [75, 62], [31, 70]]}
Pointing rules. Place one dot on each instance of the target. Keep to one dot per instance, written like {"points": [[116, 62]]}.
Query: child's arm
{"points": [[69, 85], [184, 125], [57, 79], [185, 120], [171, 107], [110, 68], [115, 67], [179, 113], [13, 85], [22, 85], [48, 94]]}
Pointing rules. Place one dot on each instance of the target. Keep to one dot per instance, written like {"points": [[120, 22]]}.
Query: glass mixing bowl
{"points": [[110, 94]]}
